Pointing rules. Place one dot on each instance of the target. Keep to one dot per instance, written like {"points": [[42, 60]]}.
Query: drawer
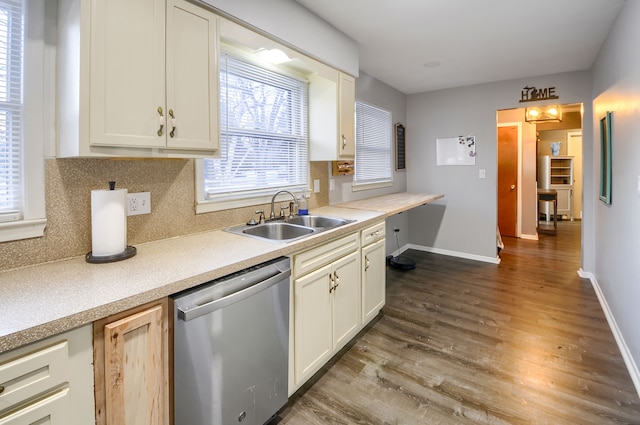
{"points": [[28, 374], [373, 233], [53, 410], [327, 253]]}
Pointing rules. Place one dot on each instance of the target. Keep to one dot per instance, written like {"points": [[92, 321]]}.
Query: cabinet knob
{"points": [[344, 142], [367, 263], [513, 186]]}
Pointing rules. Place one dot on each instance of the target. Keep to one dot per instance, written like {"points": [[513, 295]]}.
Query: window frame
{"points": [[249, 197], [358, 186], [37, 116]]}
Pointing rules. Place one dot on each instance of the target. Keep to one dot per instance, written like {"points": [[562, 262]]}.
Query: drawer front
{"points": [[315, 258], [32, 373], [52, 410], [373, 233]]}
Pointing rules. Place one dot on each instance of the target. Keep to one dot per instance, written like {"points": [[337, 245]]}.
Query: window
{"points": [[11, 40], [373, 147], [263, 134], [22, 118]]}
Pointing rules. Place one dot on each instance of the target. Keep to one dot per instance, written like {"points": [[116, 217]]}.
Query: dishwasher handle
{"points": [[189, 313]]}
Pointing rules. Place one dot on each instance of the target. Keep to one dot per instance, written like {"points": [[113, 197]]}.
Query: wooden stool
{"points": [[549, 195]]}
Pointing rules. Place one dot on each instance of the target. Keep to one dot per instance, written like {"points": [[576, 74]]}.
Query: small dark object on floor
{"points": [[402, 263]]}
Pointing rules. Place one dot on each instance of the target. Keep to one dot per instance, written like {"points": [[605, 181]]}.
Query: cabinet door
{"points": [[346, 299], [347, 95], [52, 410], [192, 77], [565, 201], [133, 358], [312, 325], [127, 77], [373, 279]]}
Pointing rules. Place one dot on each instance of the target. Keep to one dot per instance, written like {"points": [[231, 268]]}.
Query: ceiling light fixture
{"points": [[275, 56], [550, 113]]}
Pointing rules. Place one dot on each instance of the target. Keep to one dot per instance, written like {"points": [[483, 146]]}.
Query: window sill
{"points": [[23, 229]]}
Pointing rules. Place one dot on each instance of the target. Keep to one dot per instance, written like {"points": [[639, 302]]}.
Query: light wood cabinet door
{"points": [[373, 279], [346, 299], [347, 105], [127, 78], [313, 343], [131, 364]]}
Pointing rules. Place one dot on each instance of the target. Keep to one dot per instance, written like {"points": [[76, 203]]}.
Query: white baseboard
{"points": [[492, 260], [529, 237], [632, 367]]}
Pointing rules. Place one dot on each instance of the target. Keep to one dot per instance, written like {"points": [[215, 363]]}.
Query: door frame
{"points": [[518, 125]]}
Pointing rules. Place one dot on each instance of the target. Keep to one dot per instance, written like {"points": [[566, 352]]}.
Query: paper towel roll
{"points": [[108, 222]]}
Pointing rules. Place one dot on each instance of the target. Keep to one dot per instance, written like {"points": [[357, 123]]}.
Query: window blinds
{"points": [[263, 137], [11, 40], [373, 145]]}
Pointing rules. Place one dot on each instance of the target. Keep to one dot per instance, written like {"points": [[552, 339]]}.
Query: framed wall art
{"points": [[401, 156], [605, 158]]}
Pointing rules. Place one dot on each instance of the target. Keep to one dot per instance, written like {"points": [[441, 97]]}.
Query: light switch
{"points": [[316, 186], [332, 184], [482, 174]]}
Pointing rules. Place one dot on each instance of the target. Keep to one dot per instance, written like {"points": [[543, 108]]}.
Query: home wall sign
{"points": [[532, 94]]}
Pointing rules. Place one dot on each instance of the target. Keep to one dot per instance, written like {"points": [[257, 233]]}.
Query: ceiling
{"points": [[424, 45]]}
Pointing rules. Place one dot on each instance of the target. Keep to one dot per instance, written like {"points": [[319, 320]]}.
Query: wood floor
{"points": [[466, 342]]}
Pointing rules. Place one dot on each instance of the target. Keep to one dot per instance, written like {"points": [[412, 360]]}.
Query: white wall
{"points": [[290, 22], [377, 93], [616, 88], [464, 222]]}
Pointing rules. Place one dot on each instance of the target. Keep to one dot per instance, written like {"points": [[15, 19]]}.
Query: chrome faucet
{"points": [[291, 211]]}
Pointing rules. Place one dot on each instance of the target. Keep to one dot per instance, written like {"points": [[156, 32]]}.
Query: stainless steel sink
{"points": [[278, 231], [288, 231], [319, 222]]}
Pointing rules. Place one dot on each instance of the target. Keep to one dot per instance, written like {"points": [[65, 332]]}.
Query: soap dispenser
{"points": [[303, 209]]}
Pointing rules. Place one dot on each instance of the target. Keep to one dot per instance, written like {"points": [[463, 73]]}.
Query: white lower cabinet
{"points": [[326, 304], [373, 265], [49, 382]]}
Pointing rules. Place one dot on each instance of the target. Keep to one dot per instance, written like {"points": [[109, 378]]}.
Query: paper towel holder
{"points": [[128, 252]]}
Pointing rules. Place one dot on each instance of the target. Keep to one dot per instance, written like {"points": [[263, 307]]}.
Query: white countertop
{"points": [[43, 300]]}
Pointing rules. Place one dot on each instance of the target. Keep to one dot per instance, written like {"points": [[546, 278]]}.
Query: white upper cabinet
{"points": [[331, 116], [137, 79]]}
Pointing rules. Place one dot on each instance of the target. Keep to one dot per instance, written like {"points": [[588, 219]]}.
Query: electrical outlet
{"points": [[138, 203], [316, 186]]}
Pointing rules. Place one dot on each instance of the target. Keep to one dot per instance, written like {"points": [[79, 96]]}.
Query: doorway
{"points": [[532, 142]]}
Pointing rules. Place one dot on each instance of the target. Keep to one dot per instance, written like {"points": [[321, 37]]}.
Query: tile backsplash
{"points": [[69, 183]]}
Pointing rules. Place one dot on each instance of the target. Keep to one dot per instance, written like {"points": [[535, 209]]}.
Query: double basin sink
{"points": [[290, 229]]}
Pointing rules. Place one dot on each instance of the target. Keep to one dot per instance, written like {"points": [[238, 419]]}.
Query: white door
{"points": [[373, 279], [346, 299], [127, 73], [312, 322], [192, 77], [574, 149]]}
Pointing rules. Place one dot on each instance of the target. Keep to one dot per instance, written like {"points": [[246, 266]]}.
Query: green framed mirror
{"points": [[605, 158]]}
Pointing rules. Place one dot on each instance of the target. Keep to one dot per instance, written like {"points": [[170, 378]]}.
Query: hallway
{"points": [[465, 342]]}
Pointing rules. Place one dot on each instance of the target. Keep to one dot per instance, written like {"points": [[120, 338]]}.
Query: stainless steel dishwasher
{"points": [[231, 347]]}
